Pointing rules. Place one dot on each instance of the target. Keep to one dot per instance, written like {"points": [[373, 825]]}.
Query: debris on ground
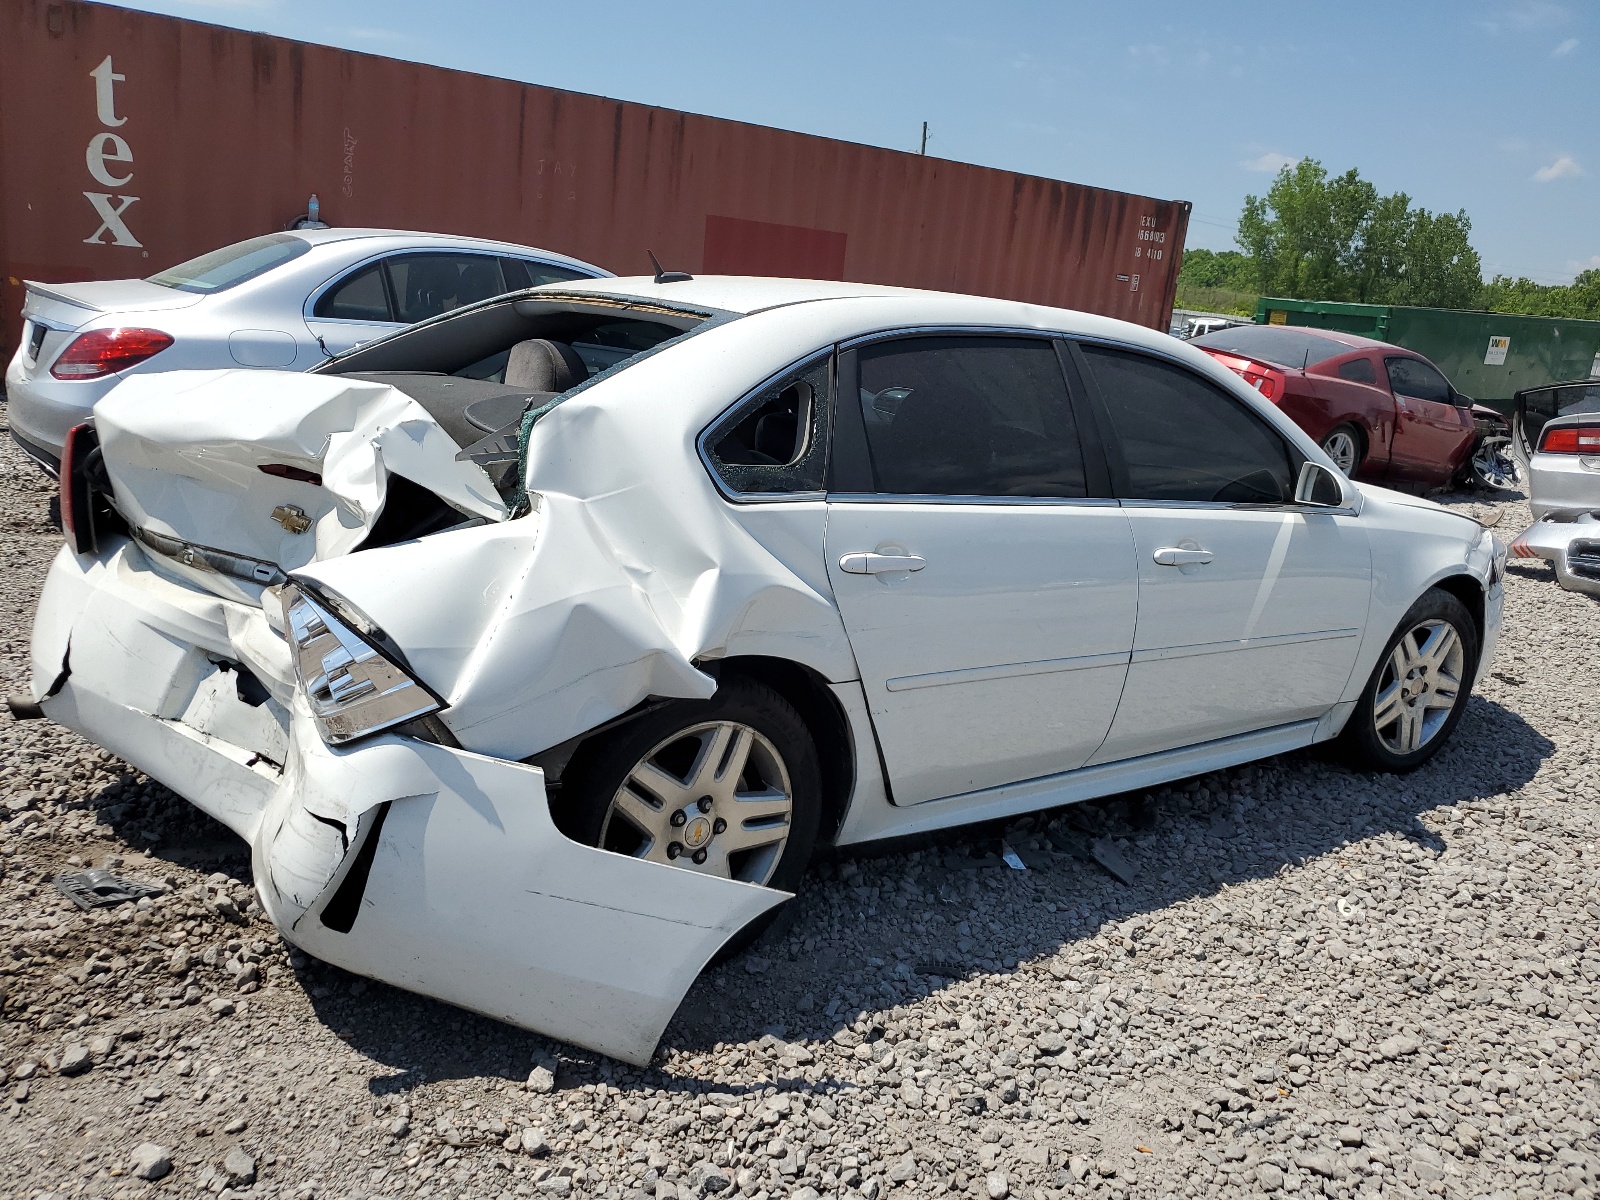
{"points": [[99, 888]]}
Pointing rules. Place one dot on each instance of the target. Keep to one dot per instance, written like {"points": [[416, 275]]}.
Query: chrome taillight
{"points": [[354, 689]]}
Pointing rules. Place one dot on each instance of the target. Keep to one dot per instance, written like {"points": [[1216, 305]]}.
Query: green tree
{"points": [[1581, 299], [1318, 238], [1439, 268], [1219, 269]]}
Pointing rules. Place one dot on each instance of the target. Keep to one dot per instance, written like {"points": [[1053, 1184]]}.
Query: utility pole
{"points": [[924, 149]]}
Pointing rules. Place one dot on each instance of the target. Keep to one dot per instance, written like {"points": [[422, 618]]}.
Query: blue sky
{"points": [[1487, 105]]}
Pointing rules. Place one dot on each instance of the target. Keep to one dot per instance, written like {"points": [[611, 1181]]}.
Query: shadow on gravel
{"points": [[884, 927], [912, 913], [1544, 572]]}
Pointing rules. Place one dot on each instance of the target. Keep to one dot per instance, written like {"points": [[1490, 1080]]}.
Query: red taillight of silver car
{"points": [[1570, 439], [103, 351]]}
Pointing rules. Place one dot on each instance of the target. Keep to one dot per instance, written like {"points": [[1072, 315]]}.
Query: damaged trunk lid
{"points": [[236, 478]]}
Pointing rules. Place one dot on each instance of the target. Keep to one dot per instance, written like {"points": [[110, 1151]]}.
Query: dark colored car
{"points": [[1381, 412]]}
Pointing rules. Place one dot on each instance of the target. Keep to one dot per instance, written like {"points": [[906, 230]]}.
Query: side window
{"points": [[777, 440], [426, 285], [1359, 370], [515, 273], [1181, 437], [1415, 378], [969, 416], [550, 273], [359, 298]]}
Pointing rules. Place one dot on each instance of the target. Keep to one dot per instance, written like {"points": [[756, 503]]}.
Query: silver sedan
{"points": [[284, 301], [1557, 437]]}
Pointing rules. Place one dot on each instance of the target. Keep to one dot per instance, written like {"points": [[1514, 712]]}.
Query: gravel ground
{"points": [[1317, 982]]}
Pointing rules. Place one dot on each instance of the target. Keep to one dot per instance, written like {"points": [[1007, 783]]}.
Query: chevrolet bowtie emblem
{"points": [[292, 517]]}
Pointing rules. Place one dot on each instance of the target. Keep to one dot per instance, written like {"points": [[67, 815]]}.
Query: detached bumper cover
{"points": [[468, 893], [1568, 542]]}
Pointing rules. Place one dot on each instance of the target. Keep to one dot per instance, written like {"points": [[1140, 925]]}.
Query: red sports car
{"points": [[1381, 412]]}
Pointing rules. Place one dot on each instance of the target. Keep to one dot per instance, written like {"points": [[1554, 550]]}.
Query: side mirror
{"points": [[1319, 486]]}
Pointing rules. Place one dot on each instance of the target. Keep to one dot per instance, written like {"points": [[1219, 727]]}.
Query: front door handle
{"points": [[863, 563], [1176, 556]]}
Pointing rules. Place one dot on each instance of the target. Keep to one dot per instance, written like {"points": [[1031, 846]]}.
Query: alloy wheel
{"points": [[1341, 447], [714, 798], [1419, 686], [1495, 465]]}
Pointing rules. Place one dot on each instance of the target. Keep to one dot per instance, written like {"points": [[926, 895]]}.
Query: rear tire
{"points": [[1419, 689], [729, 786], [1343, 445]]}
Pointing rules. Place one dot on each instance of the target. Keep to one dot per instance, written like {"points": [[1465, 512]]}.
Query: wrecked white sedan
{"points": [[535, 648]]}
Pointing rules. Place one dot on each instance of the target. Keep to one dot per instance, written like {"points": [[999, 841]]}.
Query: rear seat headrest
{"points": [[541, 365]]}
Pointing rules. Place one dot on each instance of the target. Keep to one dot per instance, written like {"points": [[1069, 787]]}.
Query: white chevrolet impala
{"points": [[536, 647]]}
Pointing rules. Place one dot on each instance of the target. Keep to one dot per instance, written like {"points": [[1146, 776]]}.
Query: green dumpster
{"points": [[1488, 356]]}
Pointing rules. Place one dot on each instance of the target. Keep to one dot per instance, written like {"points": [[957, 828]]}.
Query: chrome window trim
{"points": [[1239, 506], [988, 501], [704, 451], [345, 272], [54, 327], [910, 331]]}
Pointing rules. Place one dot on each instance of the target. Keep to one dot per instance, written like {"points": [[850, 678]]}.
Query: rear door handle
{"points": [[862, 563], [1175, 556]]}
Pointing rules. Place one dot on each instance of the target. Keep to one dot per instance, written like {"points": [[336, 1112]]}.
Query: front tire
{"points": [[1419, 689], [1493, 467], [728, 786]]}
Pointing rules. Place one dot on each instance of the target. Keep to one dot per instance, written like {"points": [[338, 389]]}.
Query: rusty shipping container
{"points": [[129, 142]]}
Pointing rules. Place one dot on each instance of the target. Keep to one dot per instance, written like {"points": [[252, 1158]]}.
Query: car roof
{"points": [[746, 295], [1262, 341], [1353, 340], [743, 294], [333, 236]]}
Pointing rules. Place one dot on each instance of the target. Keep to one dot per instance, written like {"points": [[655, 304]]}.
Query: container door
{"points": [[988, 598]]}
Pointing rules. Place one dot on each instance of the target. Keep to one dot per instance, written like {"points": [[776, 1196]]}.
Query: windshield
{"points": [[232, 265], [1273, 344]]}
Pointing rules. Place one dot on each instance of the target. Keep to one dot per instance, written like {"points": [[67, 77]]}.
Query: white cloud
{"points": [[1578, 265], [1270, 163], [1565, 48], [1565, 167]]}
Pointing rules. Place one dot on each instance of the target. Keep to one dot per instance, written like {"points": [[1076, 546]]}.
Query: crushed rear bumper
{"points": [[1569, 542], [431, 868]]}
